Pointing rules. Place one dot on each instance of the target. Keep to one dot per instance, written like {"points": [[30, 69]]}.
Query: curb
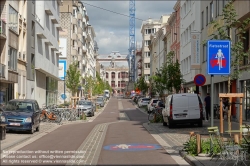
{"points": [[190, 159]]}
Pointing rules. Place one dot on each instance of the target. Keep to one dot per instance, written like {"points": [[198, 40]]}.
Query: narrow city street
{"points": [[115, 137]]}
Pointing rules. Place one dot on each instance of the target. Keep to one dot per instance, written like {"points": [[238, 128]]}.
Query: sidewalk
{"points": [[177, 136], [15, 138]]}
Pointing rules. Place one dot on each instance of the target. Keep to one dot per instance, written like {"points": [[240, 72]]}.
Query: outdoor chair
{"points": [[229, 151]]}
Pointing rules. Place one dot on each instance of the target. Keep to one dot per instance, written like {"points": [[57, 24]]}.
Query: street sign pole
{"points": [[212, 101]]}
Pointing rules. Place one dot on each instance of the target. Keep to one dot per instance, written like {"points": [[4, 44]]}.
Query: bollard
{"points": [[2, 131], [198, 141]]}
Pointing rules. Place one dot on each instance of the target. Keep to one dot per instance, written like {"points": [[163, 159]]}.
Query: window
{"points": [[217, 8], [107, 75], [206, 15], [147, 77], [147, 65], [150, 31], [147, 42], [211, 11], [246, 47], [74, 13], [147, 54], [13, 19], [204, 53], [12, 61]]}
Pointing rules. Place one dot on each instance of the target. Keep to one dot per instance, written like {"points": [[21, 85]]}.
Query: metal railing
{"points": [[2, 70], [2, 27]]}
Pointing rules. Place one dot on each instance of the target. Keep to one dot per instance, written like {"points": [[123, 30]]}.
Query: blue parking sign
{"points": [[218, 57]]}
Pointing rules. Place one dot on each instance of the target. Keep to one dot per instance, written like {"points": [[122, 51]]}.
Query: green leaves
{"points": [[141, 84], [168, 77], [73, 76]]}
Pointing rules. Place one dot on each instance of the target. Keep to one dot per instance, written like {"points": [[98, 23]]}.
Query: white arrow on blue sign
{"points": [[218, 57]]}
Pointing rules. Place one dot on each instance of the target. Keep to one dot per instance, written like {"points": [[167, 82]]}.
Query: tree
{"points": [[224, 32], [89, 84], [141, 84], [73, 77]]}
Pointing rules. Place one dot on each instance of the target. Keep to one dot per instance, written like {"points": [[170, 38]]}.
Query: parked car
{"points": [[143, 101], [87, 107], [183, 108], [152, 104], [100, 101], [21, 115]]}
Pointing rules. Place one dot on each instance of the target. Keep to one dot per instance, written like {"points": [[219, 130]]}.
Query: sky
{"points": [[110, 20]]}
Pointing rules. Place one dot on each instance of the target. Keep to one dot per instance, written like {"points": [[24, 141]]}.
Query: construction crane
{"points": [[131, 41]]}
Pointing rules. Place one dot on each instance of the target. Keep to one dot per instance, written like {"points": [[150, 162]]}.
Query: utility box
{"points": [[2, 131]]}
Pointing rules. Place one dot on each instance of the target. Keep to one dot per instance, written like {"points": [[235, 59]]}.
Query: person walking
{"points": [[207, 102]]}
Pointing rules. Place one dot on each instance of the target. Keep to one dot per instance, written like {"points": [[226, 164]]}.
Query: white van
{"points": [[106, 94], [183, 108]]}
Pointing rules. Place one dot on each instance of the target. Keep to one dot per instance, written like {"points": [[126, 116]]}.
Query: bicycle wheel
{"points": [[151, 116]]}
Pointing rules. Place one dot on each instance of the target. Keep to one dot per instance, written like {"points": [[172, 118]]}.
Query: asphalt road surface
{"points": [[115, 137]]}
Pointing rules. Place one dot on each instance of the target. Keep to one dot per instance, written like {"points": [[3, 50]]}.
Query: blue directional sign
{"points": [[218, 57], [63, 96]]}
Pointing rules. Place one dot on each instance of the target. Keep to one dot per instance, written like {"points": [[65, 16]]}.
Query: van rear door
{"points": [[193, 107], [180, 107]]}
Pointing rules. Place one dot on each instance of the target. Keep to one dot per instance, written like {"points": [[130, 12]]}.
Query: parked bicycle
{"points": [[155, 114], [50, 115]]}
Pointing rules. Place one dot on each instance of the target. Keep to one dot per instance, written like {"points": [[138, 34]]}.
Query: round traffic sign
{"points": [[199, 80]]}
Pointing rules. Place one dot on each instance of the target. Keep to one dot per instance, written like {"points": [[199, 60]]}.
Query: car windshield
{"points": [[84, 103], [99, 99], [18, 106]]}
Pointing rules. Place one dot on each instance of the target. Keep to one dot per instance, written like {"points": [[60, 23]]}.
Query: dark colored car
{"points": [[21, 115]]}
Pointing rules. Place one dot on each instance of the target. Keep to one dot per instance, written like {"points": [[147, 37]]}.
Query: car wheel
{"points": [[164, 123], [200, 124], [38, 128], [32, 130]]}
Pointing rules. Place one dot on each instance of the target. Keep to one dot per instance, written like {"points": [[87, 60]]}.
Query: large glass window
{"points": [[13, 19], [51, 91], [12, 61]]}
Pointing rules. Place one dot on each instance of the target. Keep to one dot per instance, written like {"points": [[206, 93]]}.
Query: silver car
{"points": [[87, 107], [100, 101]]}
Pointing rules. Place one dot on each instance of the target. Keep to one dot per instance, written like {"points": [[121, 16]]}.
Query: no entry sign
{"points": [[199, 80]]}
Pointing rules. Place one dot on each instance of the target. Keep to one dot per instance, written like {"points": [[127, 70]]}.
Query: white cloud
{"points": [[112, 28]]}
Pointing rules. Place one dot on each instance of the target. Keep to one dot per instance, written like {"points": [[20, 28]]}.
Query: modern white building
{"points": [[190, 27], [149, 27], [42, 61], [91, 55]]}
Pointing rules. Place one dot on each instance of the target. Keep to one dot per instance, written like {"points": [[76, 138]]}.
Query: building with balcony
{"points": [[91, 52], [43, 50], [72, 43], [9, 47], [138, 62], [149, 27], [117, 70], [190, 26]]}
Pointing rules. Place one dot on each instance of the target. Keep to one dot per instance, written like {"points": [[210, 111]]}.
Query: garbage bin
{"points": [[2, 131]]}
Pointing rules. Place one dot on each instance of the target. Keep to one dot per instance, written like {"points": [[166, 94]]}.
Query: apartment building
{"points": [[157, 50], [149, 27], [91, 52], [117, 70], [9, 47], [174, 25], [211, 10], [42, 64], [189, 34], [138, 62], [73, 43]]}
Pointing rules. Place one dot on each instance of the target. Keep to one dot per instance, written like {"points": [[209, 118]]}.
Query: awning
{"points": [[48, 74]]}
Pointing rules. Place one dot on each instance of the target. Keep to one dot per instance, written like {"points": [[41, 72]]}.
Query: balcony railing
{"points": [[2, 28], [2, 70]]}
